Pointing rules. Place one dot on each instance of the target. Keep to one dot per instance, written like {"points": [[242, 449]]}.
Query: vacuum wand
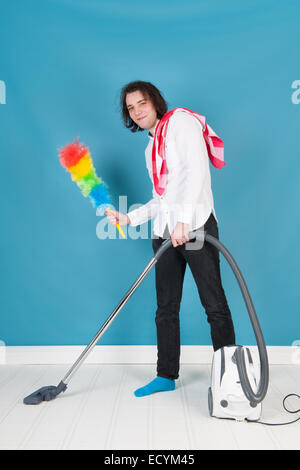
{"points": [[50, 392], [166, 244]]}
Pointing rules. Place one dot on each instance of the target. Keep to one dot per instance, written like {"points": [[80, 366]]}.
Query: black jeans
{"points": [[169, 275]]}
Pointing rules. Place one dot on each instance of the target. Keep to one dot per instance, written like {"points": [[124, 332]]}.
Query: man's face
{"points": [[141, 110]]}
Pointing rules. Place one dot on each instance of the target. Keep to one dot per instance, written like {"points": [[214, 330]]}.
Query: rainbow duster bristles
{"points": [[76, 159]]}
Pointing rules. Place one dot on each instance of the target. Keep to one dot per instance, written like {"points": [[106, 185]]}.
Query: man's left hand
{"points": [[180, 234]]}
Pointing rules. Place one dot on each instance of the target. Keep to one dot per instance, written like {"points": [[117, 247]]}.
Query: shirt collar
{"points": [[149, 134]]}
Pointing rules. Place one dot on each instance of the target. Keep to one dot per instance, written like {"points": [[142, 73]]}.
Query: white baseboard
{"points": [[124, 354]]}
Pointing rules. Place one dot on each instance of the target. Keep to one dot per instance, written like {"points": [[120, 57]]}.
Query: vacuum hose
{"points": [[253, 397], [258, 396]]}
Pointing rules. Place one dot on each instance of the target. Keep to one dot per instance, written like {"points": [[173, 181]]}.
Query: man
{"points": [[184, 204]]}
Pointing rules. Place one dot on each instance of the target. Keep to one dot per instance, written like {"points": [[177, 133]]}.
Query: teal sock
{"points": [[159, 384]]}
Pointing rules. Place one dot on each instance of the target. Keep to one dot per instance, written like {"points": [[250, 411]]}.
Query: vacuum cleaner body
{"points": [[226, 397]]}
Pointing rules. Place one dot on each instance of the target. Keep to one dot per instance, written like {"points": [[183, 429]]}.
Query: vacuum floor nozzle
{"points": [[45, 394]]}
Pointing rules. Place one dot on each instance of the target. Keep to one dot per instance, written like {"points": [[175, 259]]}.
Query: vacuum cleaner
{"points": [[237, 386]]}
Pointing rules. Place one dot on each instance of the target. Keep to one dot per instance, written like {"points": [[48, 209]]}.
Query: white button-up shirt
{"points": [[188, 196]]}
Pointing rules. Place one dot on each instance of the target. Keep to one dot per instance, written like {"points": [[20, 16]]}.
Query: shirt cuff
{"points": [[134, 217], [139, 216], [185, 215]]}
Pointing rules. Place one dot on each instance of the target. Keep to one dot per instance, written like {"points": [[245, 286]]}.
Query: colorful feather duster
{"points": [[76, 159]]}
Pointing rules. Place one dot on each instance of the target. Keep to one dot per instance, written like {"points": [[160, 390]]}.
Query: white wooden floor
{"points": [[100, 411]]}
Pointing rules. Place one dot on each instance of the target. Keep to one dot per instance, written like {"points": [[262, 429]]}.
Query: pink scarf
{"points": [[214, 145]]}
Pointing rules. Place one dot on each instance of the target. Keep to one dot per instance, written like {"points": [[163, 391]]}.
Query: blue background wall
{"points": [[64, 64]]}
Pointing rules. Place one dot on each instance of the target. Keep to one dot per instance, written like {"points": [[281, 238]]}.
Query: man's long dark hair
{"points": [[148, 90]]}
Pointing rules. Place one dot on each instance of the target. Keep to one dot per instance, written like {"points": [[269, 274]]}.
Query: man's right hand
{"points": [[116, 217]]}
